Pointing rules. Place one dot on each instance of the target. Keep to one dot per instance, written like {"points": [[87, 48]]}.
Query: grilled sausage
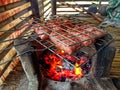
{"points": [[42, 31], [93, 31], [64, 43]]}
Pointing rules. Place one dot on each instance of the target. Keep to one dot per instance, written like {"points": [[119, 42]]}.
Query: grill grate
{"points": [[71, 37], [51, 46], [75, 19]]}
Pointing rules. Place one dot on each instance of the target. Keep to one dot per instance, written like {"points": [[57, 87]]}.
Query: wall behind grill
{"points": [[11, 27], [64, 9], [14, 15], [115, 69]]}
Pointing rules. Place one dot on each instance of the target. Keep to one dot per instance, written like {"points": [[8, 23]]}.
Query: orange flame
{"points": [[62, 51], [78, 70]]}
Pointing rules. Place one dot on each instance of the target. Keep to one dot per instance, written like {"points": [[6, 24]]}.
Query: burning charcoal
{"points": [[69, 68], [62, 79]]}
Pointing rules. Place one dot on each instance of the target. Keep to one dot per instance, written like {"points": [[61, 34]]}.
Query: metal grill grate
{"points": [[72, 36], [34, 36], [47, 44]]}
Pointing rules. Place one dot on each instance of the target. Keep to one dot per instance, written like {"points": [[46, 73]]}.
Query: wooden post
{"points": [[100, 2], [53, 3], [35, 9]]}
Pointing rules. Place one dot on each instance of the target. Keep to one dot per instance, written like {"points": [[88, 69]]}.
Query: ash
{"points": [[56, 85]]}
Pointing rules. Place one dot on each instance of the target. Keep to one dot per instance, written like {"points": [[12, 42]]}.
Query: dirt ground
{"points": [[16, 80]]}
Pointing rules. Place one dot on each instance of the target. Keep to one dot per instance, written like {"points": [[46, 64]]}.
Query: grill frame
{"points": [[73, 17], [93, 75], [88, 81], [45, 43]]}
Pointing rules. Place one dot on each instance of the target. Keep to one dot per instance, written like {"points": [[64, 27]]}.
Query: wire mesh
{"points": [[33, 37]]}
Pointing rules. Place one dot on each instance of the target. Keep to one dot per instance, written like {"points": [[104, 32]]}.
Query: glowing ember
{"points": [[57, 69]]}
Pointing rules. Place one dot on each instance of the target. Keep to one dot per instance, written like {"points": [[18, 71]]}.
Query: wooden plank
{"points": [[47, 10], [47, 16], [47, 7], [5, 2], [2, 9], [47, 13], [65, 9], [116, 64], [14, 5], [15, 22], [9, 13], [6, 22], [115, 70], [5, 72], [47, 2], [15, 34], [83, 2], [9, 69], [78, 0], [65, 13], [11, 53], [8, 56], [81, 5]]}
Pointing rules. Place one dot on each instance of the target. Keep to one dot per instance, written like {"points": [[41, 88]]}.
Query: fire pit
{"points": [[58, 69], [87, 68]]}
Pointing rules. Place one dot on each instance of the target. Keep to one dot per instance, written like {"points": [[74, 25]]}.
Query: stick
{"points": [[84, 10]]}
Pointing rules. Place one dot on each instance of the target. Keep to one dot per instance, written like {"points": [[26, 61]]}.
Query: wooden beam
{"points": [[5, 2], [35, 8], [53, 3]]}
